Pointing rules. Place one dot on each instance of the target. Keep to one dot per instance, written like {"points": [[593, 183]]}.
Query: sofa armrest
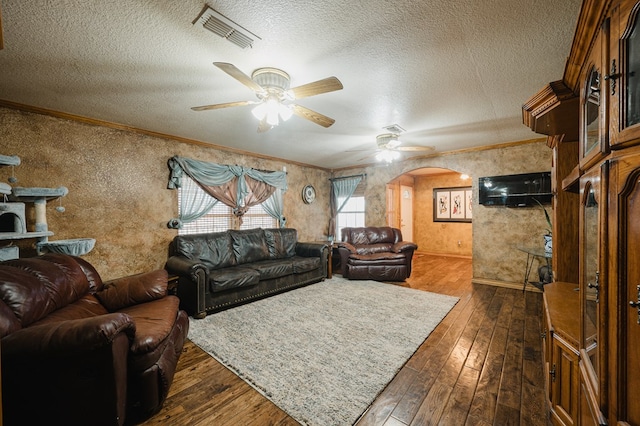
{"points": [[401, 246], [180, 265], [310, 249], [72, 336], [192, 284], [133, 290]]}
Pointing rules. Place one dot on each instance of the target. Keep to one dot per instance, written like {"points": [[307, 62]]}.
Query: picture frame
{"points": [[454, 204]]}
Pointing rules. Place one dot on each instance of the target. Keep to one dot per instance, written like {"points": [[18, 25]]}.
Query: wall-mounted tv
{"points": [[515, 190]]}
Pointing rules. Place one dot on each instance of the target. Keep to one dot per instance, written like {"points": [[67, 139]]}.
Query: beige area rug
{"points": [[323, 352]]}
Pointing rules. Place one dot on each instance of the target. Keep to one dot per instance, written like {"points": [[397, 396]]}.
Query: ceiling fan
{"points": [[390, 147], [271, 86]]}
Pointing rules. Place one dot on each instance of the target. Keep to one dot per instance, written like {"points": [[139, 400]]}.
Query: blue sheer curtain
{"points": [[226, 183], [341, 190], [194, 203], [274, 207]]}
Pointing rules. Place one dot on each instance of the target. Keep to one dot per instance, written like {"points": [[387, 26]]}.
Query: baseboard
{"points": [[505, 284], [426, 253]]}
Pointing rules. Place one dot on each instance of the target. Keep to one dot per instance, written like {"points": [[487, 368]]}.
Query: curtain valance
{"points": [[238, 187]]}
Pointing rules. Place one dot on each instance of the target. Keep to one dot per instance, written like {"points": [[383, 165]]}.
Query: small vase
{"points": [[548, 247]]}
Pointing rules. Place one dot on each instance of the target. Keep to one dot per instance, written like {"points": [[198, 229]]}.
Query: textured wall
{"points": [[497, 231], [117, 191], [117, 187], [438, 237]]}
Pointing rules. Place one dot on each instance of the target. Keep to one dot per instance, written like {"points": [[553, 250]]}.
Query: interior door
{"points": [[406, 212]]}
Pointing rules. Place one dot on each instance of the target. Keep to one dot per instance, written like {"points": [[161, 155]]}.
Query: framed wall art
{"points": [[452, 204]]}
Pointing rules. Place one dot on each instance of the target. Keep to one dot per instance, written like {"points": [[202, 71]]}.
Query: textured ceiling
{"points": [[453, 74]]}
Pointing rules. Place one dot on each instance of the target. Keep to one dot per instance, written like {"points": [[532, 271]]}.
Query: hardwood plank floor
{"points": [[482, 365]]}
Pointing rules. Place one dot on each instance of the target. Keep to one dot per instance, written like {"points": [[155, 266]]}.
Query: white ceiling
{"points": [[453, 74]]}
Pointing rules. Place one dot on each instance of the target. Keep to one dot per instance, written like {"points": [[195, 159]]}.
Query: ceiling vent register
{"points": [[226, 28]]}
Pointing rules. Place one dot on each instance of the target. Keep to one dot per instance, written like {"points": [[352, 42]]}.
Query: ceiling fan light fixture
{"points": [[272, 110], [387, 155]]}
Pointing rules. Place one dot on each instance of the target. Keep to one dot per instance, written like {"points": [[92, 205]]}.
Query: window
{"points": [[352, 215], [221, 218]]}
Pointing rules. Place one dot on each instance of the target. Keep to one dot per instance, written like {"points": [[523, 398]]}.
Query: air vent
{"points": [[394, 128], [226, 28]]}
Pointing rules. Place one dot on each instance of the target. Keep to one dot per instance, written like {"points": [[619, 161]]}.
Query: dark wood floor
{"points": [[482, 365]]}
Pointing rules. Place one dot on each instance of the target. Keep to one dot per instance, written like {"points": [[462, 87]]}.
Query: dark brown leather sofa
{"points": [[375, 253], [220, 270], [77, 351]]}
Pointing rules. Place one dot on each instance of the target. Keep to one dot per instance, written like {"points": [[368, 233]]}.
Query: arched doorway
{"points": [[410, 207]]}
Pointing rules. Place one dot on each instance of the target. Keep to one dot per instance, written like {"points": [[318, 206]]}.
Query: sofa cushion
{"points": [[270, 269], [281, 242], [370, 235], [249, 245], [305, 264], [213, 249], [388, 258], [232, 277]]}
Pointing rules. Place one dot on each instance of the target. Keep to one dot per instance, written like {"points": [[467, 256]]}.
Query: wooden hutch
{"points": [[592, 309]]}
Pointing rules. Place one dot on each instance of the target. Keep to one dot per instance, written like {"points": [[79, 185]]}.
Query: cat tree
{"points": [[13, 223]]}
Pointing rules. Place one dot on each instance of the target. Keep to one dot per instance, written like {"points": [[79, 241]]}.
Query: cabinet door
{"points": [[590, 413], [623, 74], [564, 383], [593, 269], [624, 278], [594, 97]]}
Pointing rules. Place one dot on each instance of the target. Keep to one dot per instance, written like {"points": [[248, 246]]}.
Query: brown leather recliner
{"points": [[77, 351], [375, 253]]}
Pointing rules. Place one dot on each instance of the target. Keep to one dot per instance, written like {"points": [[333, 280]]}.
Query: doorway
{"points": [[406, 212], [410, 199]]}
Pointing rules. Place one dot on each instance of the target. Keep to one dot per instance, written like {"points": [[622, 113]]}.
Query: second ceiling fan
{"points": [[271, 86]]}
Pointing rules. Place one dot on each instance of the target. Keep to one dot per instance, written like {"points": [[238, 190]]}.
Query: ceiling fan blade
{"points": [[239, 75], [329, 84], [310, 115], [263, 126], [225, 105], [413, 148]]}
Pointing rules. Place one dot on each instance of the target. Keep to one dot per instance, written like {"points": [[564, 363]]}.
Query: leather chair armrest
{"points": [[403, 246], [76, 370], [133, 290], [64, 337], [347, 246]]}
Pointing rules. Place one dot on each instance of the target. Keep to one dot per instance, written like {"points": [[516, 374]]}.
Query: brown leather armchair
{"points": [[77, 351], [375, 253]]}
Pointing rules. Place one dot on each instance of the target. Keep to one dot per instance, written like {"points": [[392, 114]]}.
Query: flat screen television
{"points": [[519, 190]]}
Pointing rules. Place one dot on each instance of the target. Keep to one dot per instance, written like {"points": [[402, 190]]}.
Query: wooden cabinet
{"points": [[564, 387], [593, 286], [561, 307], [624, 276], [597, 376], [594, 101], [624, 74]]}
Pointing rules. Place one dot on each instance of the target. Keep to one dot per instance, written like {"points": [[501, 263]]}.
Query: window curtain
{"points": [[341, 190], [236, 186], [274, 207], [194, 203]]}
